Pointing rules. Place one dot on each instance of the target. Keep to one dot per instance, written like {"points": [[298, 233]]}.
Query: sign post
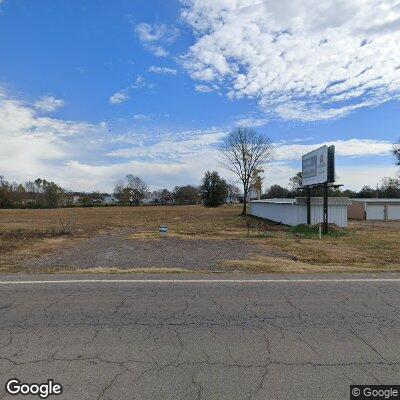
{"points": [[325, 212], [318, 170]]}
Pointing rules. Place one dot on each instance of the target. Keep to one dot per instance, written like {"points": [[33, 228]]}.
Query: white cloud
{"points": [[84, 156], [162, 70], [33, 146], [123, 95], [156, 174], [345, 148], [49, 103], [156, 37], [203, 89], [304, 60], [179, 147], [143, 117], [119, 97], [353, 177], [251, 122]]}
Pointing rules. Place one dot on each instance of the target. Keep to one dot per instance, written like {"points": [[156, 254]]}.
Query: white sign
{"points": [[315, 167]]}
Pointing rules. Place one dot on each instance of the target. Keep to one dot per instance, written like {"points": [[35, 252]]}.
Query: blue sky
{"points": [[91, 90]]}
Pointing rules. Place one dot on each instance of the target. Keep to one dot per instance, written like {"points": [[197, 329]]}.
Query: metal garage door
{"points": [[393, 211], [375, 211]]}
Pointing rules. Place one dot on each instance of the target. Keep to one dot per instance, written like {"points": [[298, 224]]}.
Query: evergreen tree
{"points": [[214, 189]]}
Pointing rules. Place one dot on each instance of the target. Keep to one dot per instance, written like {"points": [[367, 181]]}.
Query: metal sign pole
{"points": [[308, 205], [326, 207]]}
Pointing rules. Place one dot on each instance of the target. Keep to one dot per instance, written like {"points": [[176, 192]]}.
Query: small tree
{"points": [[276, 191], [257, 181], [165, 196], [131, 190], [390, 187], [396, 152], [295, 182], [366, 192], [5, 193], [245, 151], [137, 188], [187, 194], [233, 192], [121, 192], [214, 189]]}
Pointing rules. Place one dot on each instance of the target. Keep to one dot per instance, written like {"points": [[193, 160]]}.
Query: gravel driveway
{"points": [[115, 249]]}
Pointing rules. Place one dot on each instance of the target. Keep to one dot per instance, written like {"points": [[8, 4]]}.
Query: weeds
{"points": [[25, 234]]}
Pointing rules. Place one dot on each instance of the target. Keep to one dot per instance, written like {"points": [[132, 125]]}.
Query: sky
{"points": [[91, 91]]}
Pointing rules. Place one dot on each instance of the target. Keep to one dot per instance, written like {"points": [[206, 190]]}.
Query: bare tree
{"points": [[164, 196], [131, 190], [137, 188], [121, 192], [245, 152]]}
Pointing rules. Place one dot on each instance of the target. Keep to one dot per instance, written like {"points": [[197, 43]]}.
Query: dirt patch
{"points": [[120, 249], [199, 238]]}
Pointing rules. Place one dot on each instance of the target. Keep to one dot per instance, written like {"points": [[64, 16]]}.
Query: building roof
{"points": [[279, 201], [303, 201], [332, 201], [376, 200]]}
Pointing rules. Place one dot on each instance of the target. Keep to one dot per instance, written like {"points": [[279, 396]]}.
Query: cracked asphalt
{"points": [[278, 339]]}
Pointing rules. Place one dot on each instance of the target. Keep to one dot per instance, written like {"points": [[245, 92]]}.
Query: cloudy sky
{"points": [[93, 90]]}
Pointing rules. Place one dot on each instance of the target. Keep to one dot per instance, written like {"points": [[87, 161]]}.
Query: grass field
{"points": [[364, 246]]}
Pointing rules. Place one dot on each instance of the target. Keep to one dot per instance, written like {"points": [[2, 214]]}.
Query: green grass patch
{"points": [[312, 231]]}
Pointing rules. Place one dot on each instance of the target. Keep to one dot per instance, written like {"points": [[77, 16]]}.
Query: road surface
{"points": [[250, 337]]}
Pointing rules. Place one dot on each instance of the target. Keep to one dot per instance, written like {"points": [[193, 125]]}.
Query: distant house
{"points": [[76, 199], [110, 199], [151, 198], [96, 201], [253, 194]]}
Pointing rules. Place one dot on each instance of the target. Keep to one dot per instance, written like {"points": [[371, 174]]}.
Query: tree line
{"points": [[244, 153], [32, 194], [132, 191], [212, 192]]}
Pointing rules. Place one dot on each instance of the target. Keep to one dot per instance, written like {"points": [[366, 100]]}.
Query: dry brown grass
{"points": [[364, 247], [188, 220], [257, 264], [30, 233], [102, 270]]}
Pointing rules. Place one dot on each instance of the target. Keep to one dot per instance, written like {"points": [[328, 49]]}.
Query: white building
{"points": [[375, 209], [150, 197], [110, 200], [294, 211]]}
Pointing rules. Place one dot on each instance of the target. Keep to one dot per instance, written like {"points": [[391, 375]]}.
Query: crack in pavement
{"points": [[177, 342]]}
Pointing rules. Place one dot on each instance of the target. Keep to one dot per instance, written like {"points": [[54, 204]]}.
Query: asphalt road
{"points": [[273, 337]]}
